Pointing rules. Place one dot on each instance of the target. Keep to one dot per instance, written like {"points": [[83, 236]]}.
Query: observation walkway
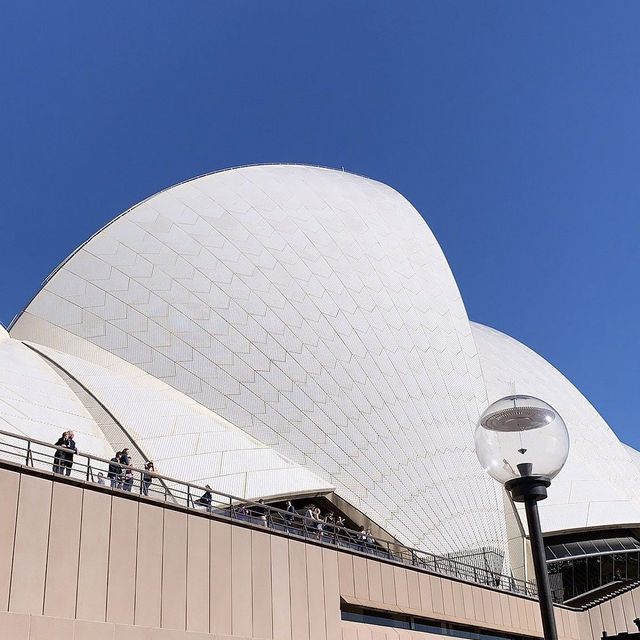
{"points": [[35, 454]]}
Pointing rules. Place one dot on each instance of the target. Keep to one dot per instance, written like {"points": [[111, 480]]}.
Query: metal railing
{"points": [[128, 479]]}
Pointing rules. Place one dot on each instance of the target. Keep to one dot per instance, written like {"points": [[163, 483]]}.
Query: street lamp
{"points": [[522, 442]]}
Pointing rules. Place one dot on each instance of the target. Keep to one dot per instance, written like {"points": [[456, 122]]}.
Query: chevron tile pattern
{"points": [[314, 311], [598, 485]]}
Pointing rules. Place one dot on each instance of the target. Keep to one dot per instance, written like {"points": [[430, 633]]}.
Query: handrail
{"points": [[90, 468]]}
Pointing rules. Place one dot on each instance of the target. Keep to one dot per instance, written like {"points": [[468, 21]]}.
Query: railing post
{"points": [[29, 458]]}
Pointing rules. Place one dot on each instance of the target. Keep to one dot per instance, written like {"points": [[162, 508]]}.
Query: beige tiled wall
{"points": [[379, 585], [614, 616], [80, 560], [82, 563]]}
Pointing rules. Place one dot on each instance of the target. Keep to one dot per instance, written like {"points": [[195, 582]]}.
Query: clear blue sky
{"points": [[513, 127]]}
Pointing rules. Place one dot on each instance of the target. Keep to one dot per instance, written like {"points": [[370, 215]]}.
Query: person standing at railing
{"points": [[57, 457], [260, 512], [125, 461], [339, 530], [290, 515], [146, 477], [67, 456], [205, 499], [115, 470], [362, 538]]}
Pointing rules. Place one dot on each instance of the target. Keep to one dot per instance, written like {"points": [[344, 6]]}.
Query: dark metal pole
{"points": [[540, 566], [529, 489]]}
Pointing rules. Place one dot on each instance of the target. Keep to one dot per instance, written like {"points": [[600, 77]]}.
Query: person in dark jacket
{"points": [[290, 515], [146, 477], [115, 470], [57, 456], [260, 512], [66, 461], [205, 499], [127, 476]]}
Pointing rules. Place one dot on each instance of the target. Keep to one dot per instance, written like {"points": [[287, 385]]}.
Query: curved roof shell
{"points": [[36, 402], [598, 486], [313, 310]]}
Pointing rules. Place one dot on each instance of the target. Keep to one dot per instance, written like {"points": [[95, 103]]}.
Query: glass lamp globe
{"points": [[521, 436]]}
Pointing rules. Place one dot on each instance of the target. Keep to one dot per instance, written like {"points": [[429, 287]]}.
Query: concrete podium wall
{"points": [[79, 553], [79, 561]]}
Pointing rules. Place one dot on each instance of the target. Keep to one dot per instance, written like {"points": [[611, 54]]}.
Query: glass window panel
{"points": [[428, 627], [567, 580], [580, 576], [615, 544], [602, 546], [593, 572], [587, 547], [632, 566]]}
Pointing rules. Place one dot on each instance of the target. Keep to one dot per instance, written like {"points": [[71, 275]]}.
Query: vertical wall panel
{"points": [[374, 579], [402, 590], [597, 626], [298, 586], [425, 592], [220, 584], [447, 597], [174, 570], [241, 598], [198, 574], [30, 547], [280, 594], [506, 610], [573, 623], [629, 611], [495, 607], [487, 606], [469, 602], [559, 622], [388, 583], [514, 610], [607, 617], [331, 593], [436, 594], [522, 613], [635, 594], [566, 623], [94, 556], [360, 577], [584, 626], [531, 615], [478, 605], [9, 487], [122, 561], [64, 547], [457, 598], [149, 566], [618, 615], [349, 631], [345, 571], [413, 586], [315, 592], [261, 584]]}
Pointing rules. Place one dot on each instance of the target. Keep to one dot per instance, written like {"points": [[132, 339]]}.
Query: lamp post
{"points": [[522, 442]]}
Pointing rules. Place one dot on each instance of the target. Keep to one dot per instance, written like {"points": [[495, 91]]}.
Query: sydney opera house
{"points": [[287, 333]]}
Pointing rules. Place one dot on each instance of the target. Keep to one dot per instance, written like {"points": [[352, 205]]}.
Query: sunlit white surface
{"points": [[36, 402], [314, 310], [599, 484]]}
